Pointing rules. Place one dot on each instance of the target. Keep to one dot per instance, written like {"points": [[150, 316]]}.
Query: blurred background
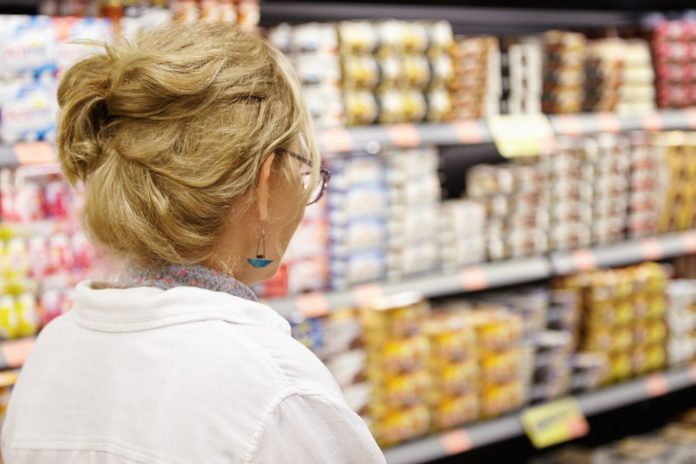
{"points": [[503, 268]]}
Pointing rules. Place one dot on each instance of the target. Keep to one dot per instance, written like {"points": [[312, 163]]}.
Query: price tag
{"points": [[690, 116], [34, 153], [404, 135], [468, 132], [555, 422], [363, 295], [584, 260], [651, 122], [657, 385], [336, 140], [521, 135], [313, 304], [15, 352], [474, 279], [568, 124], [8, 378], [651, 249], [455, 442], [608, 122], [690, 242]]}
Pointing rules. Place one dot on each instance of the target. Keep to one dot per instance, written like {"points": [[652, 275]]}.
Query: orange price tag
{"points": [[690, 116], [578, 428], [584, 260], [404, 135], [455, 442], [365, 294], [34, 153], [651, 122], [336, 140], [652, 249], [313, 304], [568, 124], [608, 122], [15, 352], [473, 279], [468, 131], [690, 242], [657, 385]]}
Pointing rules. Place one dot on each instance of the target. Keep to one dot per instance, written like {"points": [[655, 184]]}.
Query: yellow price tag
{"points": [[8, 378], [521, 134], [556, 422]]}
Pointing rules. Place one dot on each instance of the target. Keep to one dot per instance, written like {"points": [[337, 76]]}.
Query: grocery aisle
{"points": [[504, 261]]}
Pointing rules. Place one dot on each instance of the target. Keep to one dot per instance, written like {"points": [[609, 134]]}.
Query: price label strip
{"points": [[404, 135], [584, 260], [336, 140], [364, 295], [556, 422], [455, 442], [15, 352], [521, 135], [35, 153], [313, 304]]}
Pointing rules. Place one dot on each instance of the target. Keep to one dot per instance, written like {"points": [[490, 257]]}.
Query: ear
{"points": [[263, 189]]}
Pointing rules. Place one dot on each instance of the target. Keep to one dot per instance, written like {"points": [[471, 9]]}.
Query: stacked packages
{"points": [[623, 316], [414, 206], [476, 86], [358, 203], [674, 46], [34, 50], [563, 71], [681, 318], [679, 153]]}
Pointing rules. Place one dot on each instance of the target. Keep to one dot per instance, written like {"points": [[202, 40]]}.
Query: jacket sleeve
{"points": [[315, 428]]}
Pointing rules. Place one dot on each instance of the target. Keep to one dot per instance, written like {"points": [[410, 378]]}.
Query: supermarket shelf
{"points": [[622, 254], [485, 433], [369, 138], [496, 274], [586, 123], [463, 19], [471, 278], [13, 353]]}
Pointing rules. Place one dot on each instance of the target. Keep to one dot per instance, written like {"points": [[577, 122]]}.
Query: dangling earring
{"points": [[260, 260]]}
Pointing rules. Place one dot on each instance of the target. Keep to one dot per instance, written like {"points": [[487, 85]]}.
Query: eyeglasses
{"points": [[324, 174]]}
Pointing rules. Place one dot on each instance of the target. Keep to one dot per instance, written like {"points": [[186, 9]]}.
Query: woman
{"points": [[198, 157]]}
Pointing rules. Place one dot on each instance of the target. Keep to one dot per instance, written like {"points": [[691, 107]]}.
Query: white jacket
{"points": [[182, 376]]}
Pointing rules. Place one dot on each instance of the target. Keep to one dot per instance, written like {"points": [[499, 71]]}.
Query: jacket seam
{"points": [[102, 446], [271, 408]]}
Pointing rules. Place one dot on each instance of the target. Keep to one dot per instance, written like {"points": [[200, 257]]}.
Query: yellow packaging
{"points": [[397, 426], [497, 329], [455, 378], [403, 355], [393, 392], [452, 411], [501, 367], [500, 399]]}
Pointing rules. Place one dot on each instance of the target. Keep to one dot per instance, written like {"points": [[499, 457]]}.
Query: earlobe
{"points": [[264, 187]]}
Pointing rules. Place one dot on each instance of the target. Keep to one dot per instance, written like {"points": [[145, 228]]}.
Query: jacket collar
{"points": [[110, 309]]}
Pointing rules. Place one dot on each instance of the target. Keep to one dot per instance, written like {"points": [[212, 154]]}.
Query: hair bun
{"points": [[82, 95]]}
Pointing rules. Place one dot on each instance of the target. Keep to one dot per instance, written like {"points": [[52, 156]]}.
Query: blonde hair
{"points": [[169, 132]]}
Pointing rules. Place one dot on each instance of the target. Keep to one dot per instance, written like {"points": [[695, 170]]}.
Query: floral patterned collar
{"points": [[169, 276]]}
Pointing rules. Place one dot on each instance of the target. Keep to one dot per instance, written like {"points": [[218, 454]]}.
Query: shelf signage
{"points": [[521, 134], [555, 422]]}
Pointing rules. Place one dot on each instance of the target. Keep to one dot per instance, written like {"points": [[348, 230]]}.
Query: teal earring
{"points": [[260, 260]]}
